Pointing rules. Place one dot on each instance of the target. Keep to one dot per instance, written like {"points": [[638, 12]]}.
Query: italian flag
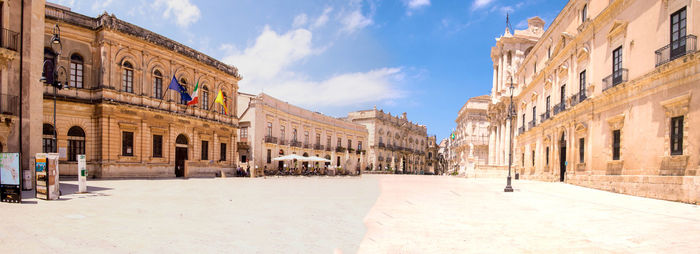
{"points": [[195, 95]]}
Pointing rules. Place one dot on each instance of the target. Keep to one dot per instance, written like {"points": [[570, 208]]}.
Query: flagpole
{"points": [[162, 97]]}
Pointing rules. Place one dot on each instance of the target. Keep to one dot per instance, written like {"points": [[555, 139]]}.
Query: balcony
{"points": [[351, 150], [545, 116], [340, 149], [360, 152], [270, 139], [307, 146], [318, 147], [283, 142], [578, 97], [295, 143], [328, 148], [243, 145], [9, 105], [381, 145], [532, 124], [9, 39], [380, 158], [559, 108], [615, 79], [390, 147], [684, 46], [521, 129]]}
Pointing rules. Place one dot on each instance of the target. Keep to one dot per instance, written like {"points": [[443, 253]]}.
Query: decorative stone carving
{"points": [[614, 167], [673, 165], [616, 122], [618, 30], [677, 106]]}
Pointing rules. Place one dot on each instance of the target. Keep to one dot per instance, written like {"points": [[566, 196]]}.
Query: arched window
{"points": [[157, 84], [181, 140], [221, 108], [205, 98], [76, 71], [48, 142], [76, 143], [183, 82], [128, 77]]}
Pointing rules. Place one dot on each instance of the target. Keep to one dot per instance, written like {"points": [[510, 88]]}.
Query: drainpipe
{"points": [[21, 74]]}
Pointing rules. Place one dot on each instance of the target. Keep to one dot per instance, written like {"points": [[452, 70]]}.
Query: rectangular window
{"points": [[523, 121], [269, 156], [533, 158], [222, 155], [582, 83], [328, 142], [546, 154], [523, 159], [534, 113], [349, 144], [318, 138], [677, 135], [294, 135], [282, 132], [306, 137], [205, 150], [359, 145], [584, 13], [244, 131], [581, 149], [616, 145], [678, 33], [547, 106], [127, 143], [339, 143], [617, 65], [269, 130], [157, 146], [562, 95]]}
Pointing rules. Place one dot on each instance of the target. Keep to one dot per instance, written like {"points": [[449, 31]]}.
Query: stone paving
{"points": [[368, 214]]}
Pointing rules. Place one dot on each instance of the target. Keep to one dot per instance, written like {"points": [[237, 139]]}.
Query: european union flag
{"points": [[174, 85]]}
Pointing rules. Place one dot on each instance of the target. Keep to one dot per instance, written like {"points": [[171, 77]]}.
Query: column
{"points": [[492, 145], [500, 73], [507, 146], [497, 158], [495, 77]]}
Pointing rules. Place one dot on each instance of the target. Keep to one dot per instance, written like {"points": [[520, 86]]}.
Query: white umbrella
{"points": [[318, 159], [289, 158]]}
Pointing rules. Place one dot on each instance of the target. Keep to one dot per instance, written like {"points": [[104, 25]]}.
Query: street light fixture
{"points": [[50, 74], [510, 116]]}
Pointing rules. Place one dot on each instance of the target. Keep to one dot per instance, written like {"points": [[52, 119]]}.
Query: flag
{"points": [[220, 99], [195, 95], [174, 85]]}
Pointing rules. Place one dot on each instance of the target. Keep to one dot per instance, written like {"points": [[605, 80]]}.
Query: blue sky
{"points": [[422, 57]]}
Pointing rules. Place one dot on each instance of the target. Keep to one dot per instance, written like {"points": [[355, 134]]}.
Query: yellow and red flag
{"points": [[221, 100]]}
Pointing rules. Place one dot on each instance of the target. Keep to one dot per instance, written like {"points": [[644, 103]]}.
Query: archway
{"points": [[305, 164], [562, 157], [180, 155], [280, 164]]}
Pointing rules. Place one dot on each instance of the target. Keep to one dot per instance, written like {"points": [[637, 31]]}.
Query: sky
{"points": [[422, 57]]}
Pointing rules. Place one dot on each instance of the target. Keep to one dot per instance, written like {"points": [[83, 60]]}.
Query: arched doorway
{"points": [[180, 155], [562, 157], [280, 164], [403, 165], [328, 163]]}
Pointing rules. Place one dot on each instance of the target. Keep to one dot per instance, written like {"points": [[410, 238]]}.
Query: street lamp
{"points": [[50, 74], [510, 116]]}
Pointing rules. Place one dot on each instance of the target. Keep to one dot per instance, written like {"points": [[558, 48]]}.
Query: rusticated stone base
{"points": [[674, 188], [674, 165]]}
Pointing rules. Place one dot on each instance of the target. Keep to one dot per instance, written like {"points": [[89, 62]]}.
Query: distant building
{"points": [[395, 143], [271, 128], [432, 159], [472, 135]]}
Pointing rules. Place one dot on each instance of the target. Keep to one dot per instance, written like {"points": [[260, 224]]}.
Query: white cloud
{"points": [[478, 4], [67, 3], [417, 4], [323, 19], [184, 12], [300, 20], [354, 21], [101, 5], [266, 65]]}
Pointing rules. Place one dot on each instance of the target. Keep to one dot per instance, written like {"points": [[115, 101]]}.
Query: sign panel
{"points": [[82, 174], [10, 177]]}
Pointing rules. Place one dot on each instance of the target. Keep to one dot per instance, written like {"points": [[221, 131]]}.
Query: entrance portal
{"points": [[562, 158], [180, 155]]}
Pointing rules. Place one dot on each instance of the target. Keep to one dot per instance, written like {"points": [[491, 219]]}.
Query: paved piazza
{"points": [[368, 214]]}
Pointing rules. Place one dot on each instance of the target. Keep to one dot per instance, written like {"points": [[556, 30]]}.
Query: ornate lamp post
{"points": [[50, 75], [510, 116]]}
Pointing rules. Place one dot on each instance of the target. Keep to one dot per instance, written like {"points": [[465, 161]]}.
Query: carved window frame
{"points": [[674, 107]]}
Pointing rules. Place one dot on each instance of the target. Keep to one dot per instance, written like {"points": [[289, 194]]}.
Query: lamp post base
{"points": [[508, 187]]}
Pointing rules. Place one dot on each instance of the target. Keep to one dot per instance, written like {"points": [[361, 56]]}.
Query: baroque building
{"points": [[607, 98], [507, 56], [432, 159], [472, 135], [396, 144], [271, 128], [116, 107]]}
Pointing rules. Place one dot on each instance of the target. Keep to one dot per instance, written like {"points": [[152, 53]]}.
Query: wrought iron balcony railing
{"points": [[521, 129], [318, 147], [532, 124], [559, 108], [683, 46], [270, 139], [328, 148], [283, 142], [545, 116], [578, 97], [307, 145], [380, 158], [340, 149], [295, 143], [9, 39], [381, 145], [614, 79], [9, 104]]}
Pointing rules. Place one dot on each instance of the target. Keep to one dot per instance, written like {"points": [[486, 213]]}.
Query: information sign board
{"points": [[10, 177]]}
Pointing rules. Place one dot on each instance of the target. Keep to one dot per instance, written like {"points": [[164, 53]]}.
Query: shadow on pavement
{"points": [[68, 188]]}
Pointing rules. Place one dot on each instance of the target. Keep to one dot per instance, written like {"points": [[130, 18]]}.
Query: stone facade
{"points": [[271, 128], [118, 111], [508, 54], [472, 135], [396, 144], [607, 94], [432, 159]]}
